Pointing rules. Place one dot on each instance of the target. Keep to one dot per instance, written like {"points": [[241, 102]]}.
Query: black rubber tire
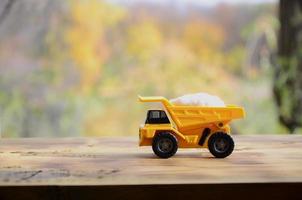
{"points": [[169, 139], [222, 151]]}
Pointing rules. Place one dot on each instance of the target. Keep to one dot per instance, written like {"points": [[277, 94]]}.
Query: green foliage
{"points": [[234, 59]]}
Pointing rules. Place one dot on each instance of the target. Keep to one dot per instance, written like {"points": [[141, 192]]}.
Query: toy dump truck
{"points": [[188, 127]]}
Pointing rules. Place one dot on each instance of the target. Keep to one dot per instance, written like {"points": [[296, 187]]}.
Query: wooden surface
{"points": [[119, 161], [261, 167]]}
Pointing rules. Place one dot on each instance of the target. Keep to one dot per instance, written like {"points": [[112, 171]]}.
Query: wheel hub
{"points": [[221, 145], [165, 145]]}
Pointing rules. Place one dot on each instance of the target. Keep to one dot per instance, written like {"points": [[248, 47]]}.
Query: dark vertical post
{"points": [[287, 85]]}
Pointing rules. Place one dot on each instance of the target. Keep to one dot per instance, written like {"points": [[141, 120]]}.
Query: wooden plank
{"points": [[119, 161]]}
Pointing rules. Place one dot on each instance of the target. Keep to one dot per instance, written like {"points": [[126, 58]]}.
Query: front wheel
{"points": [[164, 145], [221, 145]]}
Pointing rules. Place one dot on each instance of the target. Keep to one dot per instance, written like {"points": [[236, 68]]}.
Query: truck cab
{"points": [[157, 117], [156, 120]]}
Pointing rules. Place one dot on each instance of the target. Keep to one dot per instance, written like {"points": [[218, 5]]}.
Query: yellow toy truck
{"points": [[188, 127]]}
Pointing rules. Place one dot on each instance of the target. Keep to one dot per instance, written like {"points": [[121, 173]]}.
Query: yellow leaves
{"points": [[144, 60], [94, 14], [205, 39], [85, 37], [144, 39]]}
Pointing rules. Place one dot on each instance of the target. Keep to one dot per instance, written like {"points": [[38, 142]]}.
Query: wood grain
{"points": [[119, 161]]}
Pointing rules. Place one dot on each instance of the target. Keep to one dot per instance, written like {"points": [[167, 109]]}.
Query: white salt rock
{"points": [[199, 99]]}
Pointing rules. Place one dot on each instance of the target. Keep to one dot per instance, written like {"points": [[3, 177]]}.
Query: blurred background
{"points": [[75, 68]]}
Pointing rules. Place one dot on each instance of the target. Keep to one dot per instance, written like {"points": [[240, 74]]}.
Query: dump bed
{"points": [[194, 116]]}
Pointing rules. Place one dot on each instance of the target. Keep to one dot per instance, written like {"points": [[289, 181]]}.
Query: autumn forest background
{"points": [[75, 68]]}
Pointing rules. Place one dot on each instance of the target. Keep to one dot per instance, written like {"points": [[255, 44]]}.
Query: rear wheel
{"points": [[164, 145], [221, 145]]}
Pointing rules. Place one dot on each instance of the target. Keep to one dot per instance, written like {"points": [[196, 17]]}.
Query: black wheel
{"points": [[164, 145], [221, 145]]}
